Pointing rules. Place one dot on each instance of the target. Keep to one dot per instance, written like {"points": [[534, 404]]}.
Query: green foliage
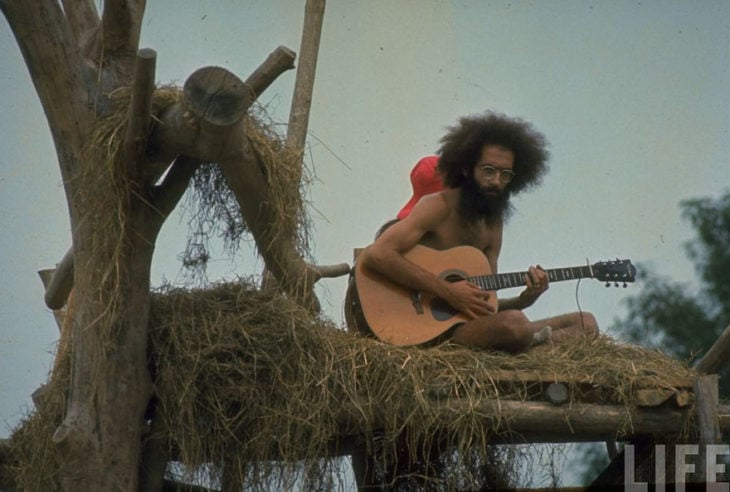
{"points": [[666, 315], [711, 253]]}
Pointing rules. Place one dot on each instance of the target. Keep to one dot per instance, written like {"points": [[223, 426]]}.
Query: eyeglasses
{"points": [[490, 172]]}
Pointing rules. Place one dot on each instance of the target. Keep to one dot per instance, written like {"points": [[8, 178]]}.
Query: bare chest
{"points": [[455, 233]]}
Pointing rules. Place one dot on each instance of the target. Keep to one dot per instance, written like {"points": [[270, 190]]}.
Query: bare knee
{"points": [[509, 331], [588, 325], [517, 331]]}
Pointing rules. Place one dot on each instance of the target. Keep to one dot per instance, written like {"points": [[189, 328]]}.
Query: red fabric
{"points": [[424, 180]]}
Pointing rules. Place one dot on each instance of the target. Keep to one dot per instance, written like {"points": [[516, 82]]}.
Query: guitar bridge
{"points": [[417, 301]]}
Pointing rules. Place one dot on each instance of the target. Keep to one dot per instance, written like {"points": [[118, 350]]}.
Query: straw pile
{"points": [[250, 385], [250, 378], [249, 382]]}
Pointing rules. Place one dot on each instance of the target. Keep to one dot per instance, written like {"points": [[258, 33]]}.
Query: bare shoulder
{"points": [[434, 208], [428, 216]]}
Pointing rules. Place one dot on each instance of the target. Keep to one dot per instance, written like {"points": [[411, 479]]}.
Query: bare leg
{"points": [[570, 326], [510, 331]]}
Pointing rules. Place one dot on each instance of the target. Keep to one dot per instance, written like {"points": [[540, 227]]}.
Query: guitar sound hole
{"points": [[453, 277], [441, 310]]}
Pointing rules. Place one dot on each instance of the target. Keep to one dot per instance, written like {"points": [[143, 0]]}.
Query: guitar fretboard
{"points": [[516, 279]]}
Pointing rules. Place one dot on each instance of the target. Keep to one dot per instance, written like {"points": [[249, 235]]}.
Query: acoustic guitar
{"points": [[401, 316]]}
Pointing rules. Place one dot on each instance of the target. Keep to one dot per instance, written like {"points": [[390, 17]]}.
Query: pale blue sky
{"points": [[632, 96]]}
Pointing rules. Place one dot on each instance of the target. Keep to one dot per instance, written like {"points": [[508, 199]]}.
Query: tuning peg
{"points": [[625, 285], [608, 284]]}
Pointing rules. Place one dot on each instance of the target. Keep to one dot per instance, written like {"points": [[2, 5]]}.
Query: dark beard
{"points": [[476, 204]]}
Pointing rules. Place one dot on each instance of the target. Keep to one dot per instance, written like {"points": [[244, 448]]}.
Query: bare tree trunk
{"points": [[75, 58], [113, 240]]}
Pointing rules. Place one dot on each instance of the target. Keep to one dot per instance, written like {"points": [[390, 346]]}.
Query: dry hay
{"points": [[250, 383], [251, 378], [213, 209], [33, 457]]}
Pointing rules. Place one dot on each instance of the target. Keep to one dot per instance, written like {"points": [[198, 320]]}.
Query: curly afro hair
{"points": [[462, 147]]}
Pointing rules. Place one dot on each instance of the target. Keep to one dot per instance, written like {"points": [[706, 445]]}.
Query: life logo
{"points": [[695, 468]]}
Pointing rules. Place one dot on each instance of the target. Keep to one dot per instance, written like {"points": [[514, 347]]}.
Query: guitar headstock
{"points": [[616, 271]]}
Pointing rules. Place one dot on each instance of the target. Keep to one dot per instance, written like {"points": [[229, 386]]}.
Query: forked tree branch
{"points": [[163, 198], [167, 194], [121, 24], [55, 65], [82, 16]]}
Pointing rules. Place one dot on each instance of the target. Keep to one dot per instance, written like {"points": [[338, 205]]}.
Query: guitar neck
{"points": [[517, 279]]}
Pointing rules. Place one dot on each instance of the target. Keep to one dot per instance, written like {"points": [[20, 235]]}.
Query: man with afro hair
{"points": [[483, 161]]}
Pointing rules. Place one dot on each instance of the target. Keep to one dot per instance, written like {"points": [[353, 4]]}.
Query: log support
{"points": [[61, 282], [718, 356], [708, 420], [139, 112]]}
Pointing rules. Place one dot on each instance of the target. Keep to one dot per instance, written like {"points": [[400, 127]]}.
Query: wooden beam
{"points": [[707, 406], [121, 24], [707, 401], [306, 70], [46, 277], [216, 96], [718, 356], [653, 397], [278, 62], [523, 376], [330, 271], [206, 125], [139, 111], [61, 283], [302, 102], [535, 422]]}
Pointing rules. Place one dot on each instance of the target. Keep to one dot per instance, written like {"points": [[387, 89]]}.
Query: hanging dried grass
{"points": [[251, 378], [251, 384], [214, 211], [34, 464]]}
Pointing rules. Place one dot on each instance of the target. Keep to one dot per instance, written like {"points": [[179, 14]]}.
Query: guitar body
{"points": [[401, 316]]}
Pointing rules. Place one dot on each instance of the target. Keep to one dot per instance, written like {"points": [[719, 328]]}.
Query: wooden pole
{"points": [[302, 98], [46, 277], [279, 61], [533, 422], [61, 283], [708, 420], [304, 85], [718, 356], [139, 111]]}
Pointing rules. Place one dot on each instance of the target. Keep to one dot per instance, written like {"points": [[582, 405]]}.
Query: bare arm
{"points": [[537, 283], [536, 280], [386, 257]]}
